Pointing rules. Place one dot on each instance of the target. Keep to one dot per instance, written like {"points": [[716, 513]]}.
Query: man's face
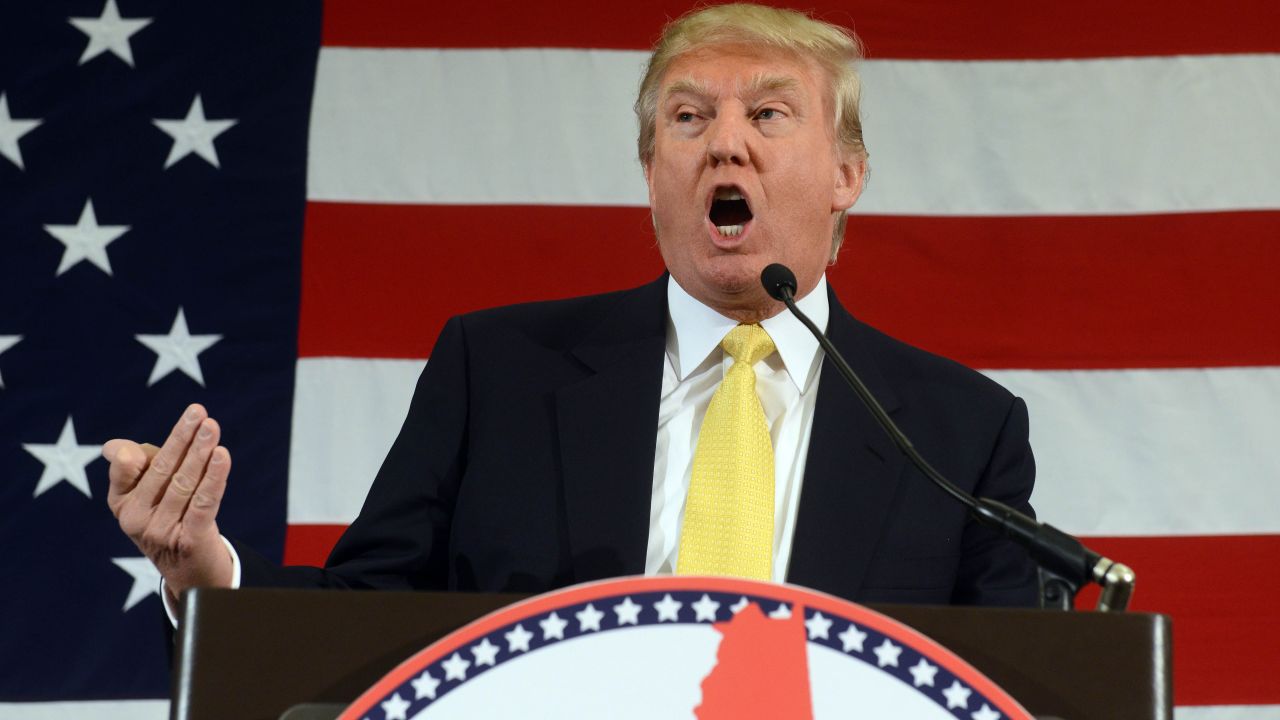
{"points": [[745, 173]]}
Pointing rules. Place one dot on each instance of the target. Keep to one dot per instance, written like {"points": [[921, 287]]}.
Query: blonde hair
{"points": [[835, 49]]}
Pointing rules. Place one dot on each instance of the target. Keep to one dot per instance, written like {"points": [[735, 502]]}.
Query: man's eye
{"points": [[768, 114], [684, 117]]}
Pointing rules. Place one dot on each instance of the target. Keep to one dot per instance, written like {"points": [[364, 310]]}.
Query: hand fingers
{"points": [[183, 482], [203, 509], [152, 485], [128, 461]]}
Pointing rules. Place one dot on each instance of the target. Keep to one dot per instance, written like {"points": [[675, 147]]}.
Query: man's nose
{"points": [[727, 141]]}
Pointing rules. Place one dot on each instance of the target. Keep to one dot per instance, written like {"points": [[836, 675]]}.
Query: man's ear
{"points": [[851, 173]]}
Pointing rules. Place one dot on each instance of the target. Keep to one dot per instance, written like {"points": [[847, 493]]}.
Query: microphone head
{"points": [[775, 278]]}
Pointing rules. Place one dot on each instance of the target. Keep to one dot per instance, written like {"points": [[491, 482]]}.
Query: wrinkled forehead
{"points": [[741, 70]]}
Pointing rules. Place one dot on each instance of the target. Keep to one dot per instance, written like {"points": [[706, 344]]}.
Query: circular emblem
{"points": [[685, 647]]}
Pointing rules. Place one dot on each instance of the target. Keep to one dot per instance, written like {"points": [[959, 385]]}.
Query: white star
{"points": [[86, 240], [64, 460], [818, 626], [485, 653], [179, 350], [986, 713], [628, 612], [193, 134], [109, 31], [424, 686], [957, 695], [782, 613], [922, 673], [11, 131], [395, 708], [455, 668], [146, 579], [553, 627], [706, 609], [741, 605], [6, 342], [668, 608], [887, 653], [852, 638], [518, 639], [589, 618]]}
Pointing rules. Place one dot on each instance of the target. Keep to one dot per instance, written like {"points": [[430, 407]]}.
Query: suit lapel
{"points": [[607, 428], [851, 474]]}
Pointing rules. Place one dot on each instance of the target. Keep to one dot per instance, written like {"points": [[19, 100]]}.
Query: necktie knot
{"points": [[748, 344]]}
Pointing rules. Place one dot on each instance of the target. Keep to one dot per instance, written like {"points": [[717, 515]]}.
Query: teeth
{"points": [[728, 193], [729, 230]]}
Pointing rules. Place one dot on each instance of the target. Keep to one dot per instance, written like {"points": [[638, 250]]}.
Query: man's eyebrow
{"points": [[690, 86], [762, 83]]}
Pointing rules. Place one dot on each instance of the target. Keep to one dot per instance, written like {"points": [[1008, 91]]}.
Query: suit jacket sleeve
{"points": [[993, 570]]}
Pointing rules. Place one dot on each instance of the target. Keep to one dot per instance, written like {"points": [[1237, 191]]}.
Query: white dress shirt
{"points": [[787, 383]]}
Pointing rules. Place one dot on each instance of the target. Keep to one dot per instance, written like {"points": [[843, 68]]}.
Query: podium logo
{"points": [[685, 647]]}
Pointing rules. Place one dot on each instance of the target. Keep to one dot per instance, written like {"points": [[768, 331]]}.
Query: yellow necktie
{"points": [[728, 516]]}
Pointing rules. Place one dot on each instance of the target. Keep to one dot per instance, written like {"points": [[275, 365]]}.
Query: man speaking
{"points": [[691, 425]]}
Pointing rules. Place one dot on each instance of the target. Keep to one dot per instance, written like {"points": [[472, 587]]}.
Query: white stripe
{"points": [[539, 126], [1154, 452], [87, 710], [1132, 452], [346, 413], [1227, 712]]}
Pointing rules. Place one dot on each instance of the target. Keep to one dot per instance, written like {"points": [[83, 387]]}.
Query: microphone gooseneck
{"points": [[1067, 562]]}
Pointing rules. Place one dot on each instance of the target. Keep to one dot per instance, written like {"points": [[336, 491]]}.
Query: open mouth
{"points": [[729, 211]]}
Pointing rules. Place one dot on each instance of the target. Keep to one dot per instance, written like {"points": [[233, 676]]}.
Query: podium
{"points": [[256, 654]]}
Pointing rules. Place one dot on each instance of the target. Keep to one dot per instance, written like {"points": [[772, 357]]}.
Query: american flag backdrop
{"points": [[272, 207]]}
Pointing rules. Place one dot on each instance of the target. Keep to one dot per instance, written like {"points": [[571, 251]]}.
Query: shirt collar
{"points": [[696, 330]]}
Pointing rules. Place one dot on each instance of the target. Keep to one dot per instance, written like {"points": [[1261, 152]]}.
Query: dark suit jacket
{"points": [[526, 464]]}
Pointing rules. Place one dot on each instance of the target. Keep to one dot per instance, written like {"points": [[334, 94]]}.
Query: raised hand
{"points": [[166, 500]]}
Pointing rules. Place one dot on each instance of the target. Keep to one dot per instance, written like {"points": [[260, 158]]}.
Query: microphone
{"points": [[1065, 562]]}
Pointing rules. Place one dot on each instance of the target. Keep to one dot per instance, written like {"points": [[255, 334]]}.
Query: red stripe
{"points": [[936, 29], [1184, 290], [310, 544], [1221, 592]]}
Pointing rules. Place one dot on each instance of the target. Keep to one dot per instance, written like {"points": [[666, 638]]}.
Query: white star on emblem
{"points": [[455, 668], [109, 31], [705, 609], [782, 613], [11, 131], [193, 134], [986, 713], [146, 579], [395, 708], [741, 605], [668, 608], [887, 653], [518, 639], [922, 673], [64, 460], [957, 695], [485, 653], [86, 240], [852, 638], [818, 626], [589, 618], [628, 612], [424, 686], [6, 342], [179, 350], [553, 627]]}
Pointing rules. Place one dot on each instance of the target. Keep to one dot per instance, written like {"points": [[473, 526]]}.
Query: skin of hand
{"points": [[166, 500]]}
